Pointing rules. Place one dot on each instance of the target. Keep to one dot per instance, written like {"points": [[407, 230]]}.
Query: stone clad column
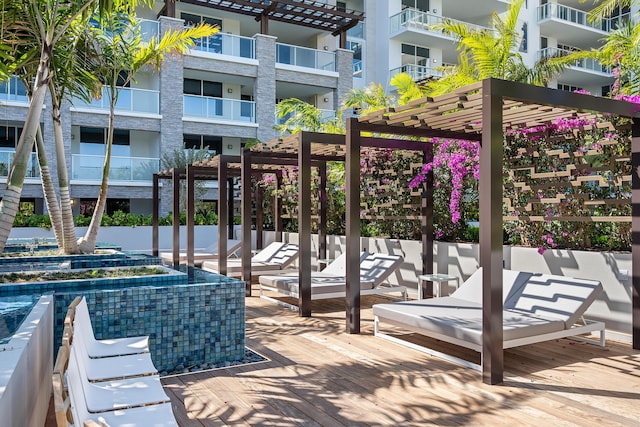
{"points": [[264, 91], [344, 67], [170, 85]]}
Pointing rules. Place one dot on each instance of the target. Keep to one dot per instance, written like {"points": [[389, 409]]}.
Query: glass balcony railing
{"points": [[325, 115], [417, 72], [575, 16], [132, 100], [13, 90], [357, 68], [6, 158], [417, 19], [305, 57], [227, 44], [89, 167], [588, 64], [219, 108]]}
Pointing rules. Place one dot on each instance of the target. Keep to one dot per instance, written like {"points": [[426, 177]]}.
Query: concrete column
{"points": [[344, 67], [171, 82], [264, 91]]}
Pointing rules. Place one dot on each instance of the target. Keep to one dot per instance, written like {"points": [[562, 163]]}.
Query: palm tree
{"points": [[494, 53], [367, 100], [120, 53], [300, 115], [42, 25], [606, 8]]}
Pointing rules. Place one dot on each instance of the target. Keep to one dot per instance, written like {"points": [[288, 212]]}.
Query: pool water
{"points": [[13, 311]]}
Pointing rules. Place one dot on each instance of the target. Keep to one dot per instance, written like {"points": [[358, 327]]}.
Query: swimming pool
{"points": [[13, 311]]}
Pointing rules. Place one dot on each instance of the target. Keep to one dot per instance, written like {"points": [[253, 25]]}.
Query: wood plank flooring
{"points": [[317, 375]]}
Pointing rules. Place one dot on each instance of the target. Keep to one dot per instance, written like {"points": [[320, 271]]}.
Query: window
{"points": [[191, 20], [196, 142], [422, 5], [202, 88], [523, 42], [568, 88], [606, 90], [93, 141], [9, 136], [341, 6], [414, 55]]}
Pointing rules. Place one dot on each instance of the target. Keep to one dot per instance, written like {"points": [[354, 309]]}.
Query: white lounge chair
{"points": [[71, 408], [209, 253], [112, 395], [276, 256], [375, 268], [537, 307], [106, 347]]}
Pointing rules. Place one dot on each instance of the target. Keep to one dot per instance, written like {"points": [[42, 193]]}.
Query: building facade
{"points": [[223, 93]]}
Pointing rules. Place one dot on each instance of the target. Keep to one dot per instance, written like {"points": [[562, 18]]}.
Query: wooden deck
{"points": [[318, 375]]}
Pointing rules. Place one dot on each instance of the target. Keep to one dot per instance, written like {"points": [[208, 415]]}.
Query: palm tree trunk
{"points": [[88, 242], [69, 243], [48, 190], [11, 197]]}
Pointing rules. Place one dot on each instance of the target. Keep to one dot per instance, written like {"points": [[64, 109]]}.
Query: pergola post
{"points": [[259, 218], [277, 208], [223, 215], [155, 214], [635, 232], [230, 204], [352, 173], [245, 165], [322, 220], [175, 181], [190, 214], [490, 192], [427, 223], [304, 225]]}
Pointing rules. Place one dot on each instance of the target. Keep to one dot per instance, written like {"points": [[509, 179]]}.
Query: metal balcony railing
{"points": [[6, 158], [89, 167], [588, 64], [417, 19], [417, 72], [305, 57], [579, 17], [132, 100], [219, 108], [227, 44]]}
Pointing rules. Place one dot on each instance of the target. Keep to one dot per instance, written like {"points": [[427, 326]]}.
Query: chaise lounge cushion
{"points": [[462, 319]]}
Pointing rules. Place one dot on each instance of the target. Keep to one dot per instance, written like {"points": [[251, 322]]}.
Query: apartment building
{"points": [[221, 94], [412, 45]]}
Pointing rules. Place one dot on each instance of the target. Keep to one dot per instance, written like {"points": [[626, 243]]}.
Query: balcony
{"points": [[227, 44], [130, 100], [132, 169], [419, 28], [6, 158], [13, 90], [583, 72], [233, 110], [305, 57], [357, 68], [417, 72], [325, 115], [571, 26]]}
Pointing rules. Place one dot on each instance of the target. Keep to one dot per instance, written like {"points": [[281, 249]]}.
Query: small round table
{"points": [[436, 278]]}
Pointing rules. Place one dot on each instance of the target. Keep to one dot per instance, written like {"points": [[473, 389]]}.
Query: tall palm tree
{"points": [[622, 51], [300, 115], [606, 8], [367, 100], [120, 53], [45, 23], [494, 53]]}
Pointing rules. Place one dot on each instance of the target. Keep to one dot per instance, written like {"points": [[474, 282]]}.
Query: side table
{"points": [[436, 279]]}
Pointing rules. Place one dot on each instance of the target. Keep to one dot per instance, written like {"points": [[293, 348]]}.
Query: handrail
{"points": [[227, 44], [129, 99], [305, 57], [90, 167], [414, 18], [219, 108]]}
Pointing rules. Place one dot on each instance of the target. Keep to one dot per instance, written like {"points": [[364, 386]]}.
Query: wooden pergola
{"points": [[480, 112], [306, 13]]}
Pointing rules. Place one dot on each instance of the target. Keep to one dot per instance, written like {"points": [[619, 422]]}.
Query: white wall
{"points": [[25, 369]]}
